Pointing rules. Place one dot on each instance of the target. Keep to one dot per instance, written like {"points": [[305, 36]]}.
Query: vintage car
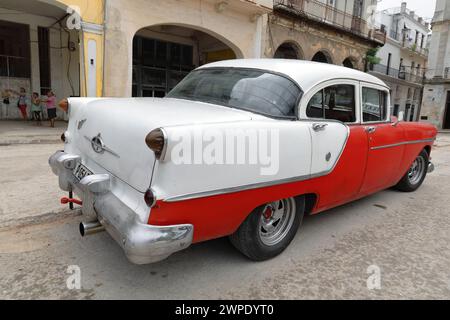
{"points": [[332, 140]]}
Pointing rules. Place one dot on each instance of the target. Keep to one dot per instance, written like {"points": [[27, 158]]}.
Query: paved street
{"points": [[29, 191], [405, 235]]}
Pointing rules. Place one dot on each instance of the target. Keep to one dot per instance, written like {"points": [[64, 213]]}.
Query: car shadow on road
{"points": [[216, 262]]}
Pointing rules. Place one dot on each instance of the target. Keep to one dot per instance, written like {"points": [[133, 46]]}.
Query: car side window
{"points": [[334, 103], [374, 104]]}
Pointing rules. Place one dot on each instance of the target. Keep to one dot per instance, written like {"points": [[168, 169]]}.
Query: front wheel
{"points": [[269, 229], [413, 179]]}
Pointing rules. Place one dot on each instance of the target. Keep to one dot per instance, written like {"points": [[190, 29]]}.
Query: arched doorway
{"points": [[164, 54], [348, 63], [288, 50], [322, 56]]}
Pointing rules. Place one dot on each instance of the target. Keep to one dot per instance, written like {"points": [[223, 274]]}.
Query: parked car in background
{"points": [[331, 129]]}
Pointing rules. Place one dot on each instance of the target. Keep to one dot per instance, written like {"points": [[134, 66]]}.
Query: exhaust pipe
{"points": [[88, 228]]}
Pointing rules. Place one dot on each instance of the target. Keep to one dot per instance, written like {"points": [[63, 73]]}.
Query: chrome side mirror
{"points": [[395, 120]]}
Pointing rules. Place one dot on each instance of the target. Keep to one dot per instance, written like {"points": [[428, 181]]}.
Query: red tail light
{"points": [[156, 141]]}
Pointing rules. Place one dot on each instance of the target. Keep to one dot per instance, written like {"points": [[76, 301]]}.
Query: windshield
{"points": [[252, 90]]}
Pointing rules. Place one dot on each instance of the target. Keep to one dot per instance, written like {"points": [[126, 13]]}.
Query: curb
{"points": [[5, 143]]}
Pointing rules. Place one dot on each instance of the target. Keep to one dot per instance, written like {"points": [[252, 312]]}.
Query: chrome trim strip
{"points": [[402, 143], [203, 194]]}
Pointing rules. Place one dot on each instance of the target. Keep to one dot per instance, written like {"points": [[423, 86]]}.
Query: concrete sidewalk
{"points": [[29, 191], [27, 132]]}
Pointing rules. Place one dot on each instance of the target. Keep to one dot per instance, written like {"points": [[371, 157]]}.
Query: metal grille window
{"points": [[44, 59], [14, 50], [158, 66]]}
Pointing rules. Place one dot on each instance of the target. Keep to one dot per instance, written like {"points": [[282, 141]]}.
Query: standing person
{"points": [[22, 103], [36, 108], [51, 107]]}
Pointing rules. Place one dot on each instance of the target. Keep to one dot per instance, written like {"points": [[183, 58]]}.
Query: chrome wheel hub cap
{"points": [[416, 171], [276, 220]]}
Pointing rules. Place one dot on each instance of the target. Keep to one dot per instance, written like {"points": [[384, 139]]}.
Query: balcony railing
{"points": [[394, 35], [321, 12], [414, 47], [417, 77]]}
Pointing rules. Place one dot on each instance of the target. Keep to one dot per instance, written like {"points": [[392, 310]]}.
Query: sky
{"points": [[423, 8]]}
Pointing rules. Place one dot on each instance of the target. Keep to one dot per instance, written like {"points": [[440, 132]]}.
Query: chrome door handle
{"points": [[319, 126], [371, 129]]}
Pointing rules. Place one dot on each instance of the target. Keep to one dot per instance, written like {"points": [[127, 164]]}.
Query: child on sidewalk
{"points": [[36, 108], [51, 107], [22, 103]]}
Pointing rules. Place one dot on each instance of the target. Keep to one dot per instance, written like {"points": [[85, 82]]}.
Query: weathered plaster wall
{"points": [[309, 40], [433, 105], [236, 28]]}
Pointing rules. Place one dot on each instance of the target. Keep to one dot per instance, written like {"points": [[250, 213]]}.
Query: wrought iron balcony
{"points": [[417, 77], [326, 14]]}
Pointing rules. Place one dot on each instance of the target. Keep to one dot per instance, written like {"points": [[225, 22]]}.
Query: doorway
{"points": [[411, 117], [446, 124], [407, 108]]}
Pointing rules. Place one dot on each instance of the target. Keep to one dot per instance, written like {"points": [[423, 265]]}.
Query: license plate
{"points": [[81, 171]]}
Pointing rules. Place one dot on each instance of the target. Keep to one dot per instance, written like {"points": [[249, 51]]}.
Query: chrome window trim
{"points": [[325, 84], [388, 103]]}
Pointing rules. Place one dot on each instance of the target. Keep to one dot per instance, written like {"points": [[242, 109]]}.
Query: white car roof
{"points": [[306, 73]]}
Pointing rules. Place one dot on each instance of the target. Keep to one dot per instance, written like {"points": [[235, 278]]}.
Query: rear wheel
{"points": [[269, 229], [416, 174]]}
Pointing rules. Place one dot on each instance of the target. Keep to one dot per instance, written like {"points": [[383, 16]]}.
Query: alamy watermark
{"points": [[259, 147], [74, 19], [73, 282], [374, 280]]}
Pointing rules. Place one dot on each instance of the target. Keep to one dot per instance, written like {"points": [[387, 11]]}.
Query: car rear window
{"points": [[247, 89]]}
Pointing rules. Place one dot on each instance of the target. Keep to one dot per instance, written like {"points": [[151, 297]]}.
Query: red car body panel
{"points": [[360, 171]]}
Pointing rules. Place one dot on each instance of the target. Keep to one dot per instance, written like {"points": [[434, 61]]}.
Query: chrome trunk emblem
{"points": [[98, 145]]}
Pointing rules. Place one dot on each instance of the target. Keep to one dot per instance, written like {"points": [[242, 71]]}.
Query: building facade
{"points": [[143, 48], [436, 100], [152, 45], [331, 31], [403, 58]]}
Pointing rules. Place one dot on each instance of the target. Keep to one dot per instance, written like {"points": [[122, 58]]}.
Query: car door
{"points": [[384, 151], [339, 143]]}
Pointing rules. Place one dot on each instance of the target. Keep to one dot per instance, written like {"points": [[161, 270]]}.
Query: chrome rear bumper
{"points": [[142, 243]]}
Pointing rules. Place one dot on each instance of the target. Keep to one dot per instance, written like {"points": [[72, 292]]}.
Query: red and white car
{"points": [[332, 140]]}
